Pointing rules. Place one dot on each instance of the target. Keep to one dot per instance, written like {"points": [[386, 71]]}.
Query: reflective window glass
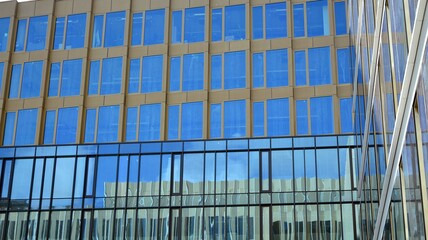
{"points": [[21, 182], [193, 72], [150, 122], [215, 120], [66, 128], [9, 128], [149, 174], [71, 78], [194, 25], [237, 172], [94, 77], [97, 32], [63, 181], [216, 72], [91, 116], [340, 17], [276, 20], [299, 20], [26, 127], [173, 116], [217, 25], [49, 127], [257, 22], [76, 28], [152, 74], [31, 79], [20, 35], [191, 120], [4, 33], [137, 29], [317, 18], [154, 27], [193, 173], [134, 75], [177, 26], [277, 68], [258, 70], [234, 70], [302, 116], [174, 74], [346, 115], [59, 33], [278, 117], [322, 115], [258, 119], [54, 79], [234, 23], [106, 174], [300, 67], [108, 124], [115, 29], [282, 171], [344, 70], [319, 72], [235, 119], [111, 78], [327, 169], [36, 37], [131, 124]]}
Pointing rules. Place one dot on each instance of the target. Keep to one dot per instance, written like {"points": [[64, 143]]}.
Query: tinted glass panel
{"points": [[137, 29], [131, 124], [278, 114], [277, 68], [217, 25], [193, 72], [150, 122], [276, 20], [63, 182], [346, 115], [194, 25], [71, 76], [4, 33], [91, 115], [154, 27], [173, 115], [59, 33], [94, 77], [21, 182], [191, 120], [37, 33], [14, 81], [234, 23], [108, 124], [322, 115], [49, 127], [299, 20], [258, 70], [20, 35], [177, 26], [152, 74], [344, 70], [54, 79], [302, 116], [234, 70], [67, 125], [317, 18], [340, 17], [9, 128], [111, 78], [76, 28], [115, 29], [26, 127], [257, 22], [216, 72], [175, 74], [258, 119], [234, 119], [97, 34], [300, 67], [215, 120], [31, 79], [319, 72], [134, 75]]}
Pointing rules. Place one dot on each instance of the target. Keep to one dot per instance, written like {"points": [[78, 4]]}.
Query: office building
{"points": [[213, 119]]}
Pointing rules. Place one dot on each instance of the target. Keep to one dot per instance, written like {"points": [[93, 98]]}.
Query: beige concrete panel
{"points": [[260, 45], [239, 45], [39, 55], [73, 101], [280, 43], [94, 101], [120, 135], [303, 92], [204, 120], [53, 103], [63, 8], [156, 97], [157, 49], [26, 9], [77, 53], [341, 41], [57, 56], [114, 99], [197, 3], [301, 43], [258, 2], [219, 47], [20, 57], [44, 7], [219, 3], [117, 52], [179, 4], [198, 47], [323, 41], [344, 91], [178, 50], [7, 9], [33, 103], [197, 96], [14, 104], [155, 4], [135, 99], [80, 6], [325, 90], [292, 112], [282, 92], [218, 96], [101, 7], [176, 98], [137, 6], [235, 2], [239, 94], [120, 5], [38, 138], [4, 56], [261, 94], [248, 123], [137, 52], [97, 53]]}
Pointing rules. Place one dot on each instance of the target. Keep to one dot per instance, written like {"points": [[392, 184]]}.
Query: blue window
{"points": [[9, 128], [299, 20], [66, 126], [234, 119], [300, 67], [215, 120], [69, 82], [4, 33], [234, 70], [131, 124], [36, 37], [175, 74], [216, 72], [340, 18], [217, 25], [111, 76], [319, 71], [278, 117], [154, 27], [344, 67], [258, 119], [276, 20], [234, 23], [322, 115], [173, 122], [177, 26], [194, 25], [302, 117], [91, 117], [277, 68], [193, 72], [150, 122], [137, 29], [191, 121], [75, 34], [108, 124], [152, 74], [97, 32], [317, 18], [134, 75], [115, 29], [346, 115], [26, 125], [258, 70], [258, 22], [26, 84], [20, 35], [49, 127]]}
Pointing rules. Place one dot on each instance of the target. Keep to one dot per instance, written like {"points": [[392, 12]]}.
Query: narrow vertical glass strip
{"points": [[59, 33], [177, 28], [258, 119], [173, 116], [9, 128], [91, 115], [257, 22], [49, 127], [137, 29], [131, 124]]}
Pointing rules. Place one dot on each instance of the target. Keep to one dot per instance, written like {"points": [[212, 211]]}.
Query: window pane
{"points": [[4, 33], [97, 34], [300, 67], [66, 128], [327, 169], [278, 117], [346, 115], [215, 120], [175, 74], [137, 29], [115, 29], [193, 72], [134, 75], [152, 74], [302, 116], [177, 27], [20, 35], [91, 115], [257, 22], [321, 115], [14, 81], [194, 25], [111, 79], [149, 174], [276, 20], [234, 23], [63, 181], [108, 124], [131, 124], [26, 127], [94, 77], [277, 68], [344, 70], [49, 127], [71, 77], [191, 120], [37, 33], [258, 119], [216, 72], [22, 179], [76, 28], [217, 25], [258, 70], [340, 17], [299, 20], [106, 173], [154, 27], [9, 128], [59, 33], [234, 70], [150, 122], [319, 72], [317, 18], [54, 79], [173, 113], [234, 119], [237, 172], [31, 79], [193, 173]]}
